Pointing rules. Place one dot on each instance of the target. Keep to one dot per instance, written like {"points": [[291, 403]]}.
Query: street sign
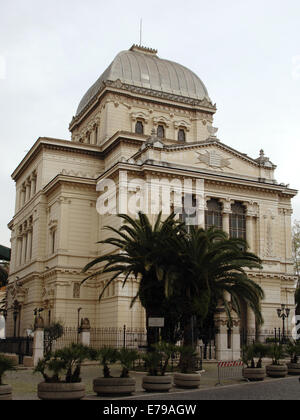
{"points": [[156, 322]]}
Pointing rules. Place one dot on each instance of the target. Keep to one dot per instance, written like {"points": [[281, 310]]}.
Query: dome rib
{"points": [[133, 67]]}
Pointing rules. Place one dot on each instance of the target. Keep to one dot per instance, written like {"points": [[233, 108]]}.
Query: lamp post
{"points": [[15, 316], [78, 325], [283, 313]]}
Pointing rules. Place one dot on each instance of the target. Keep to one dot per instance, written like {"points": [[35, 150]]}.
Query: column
{"points": [[28, 187], [201, 203], [29, 242], [95, 134], [251, 325], [226, 227], [226, 214], [223, 353], [38, 343], [226, 224], [249, 231], [236, 338], [23, 196], [24, 244], [33, 186], [20, 249]]}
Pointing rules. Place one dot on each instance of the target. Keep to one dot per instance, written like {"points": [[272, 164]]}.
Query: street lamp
{"points": [[283, 313], [78, 325], [15, 316]]}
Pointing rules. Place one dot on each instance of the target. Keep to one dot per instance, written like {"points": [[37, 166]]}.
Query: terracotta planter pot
{"points": [[293, 368], [114, 386], [275, 371], [187, 380], [5, 392], [157, 383], [254, 374], [61, 391]]}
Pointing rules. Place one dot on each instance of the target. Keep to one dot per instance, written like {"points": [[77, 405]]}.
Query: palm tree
{"points": [[297, 300], [145, 254], [3, 275], [210, 264]]}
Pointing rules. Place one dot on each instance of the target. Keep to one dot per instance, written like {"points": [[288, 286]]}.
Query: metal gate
{"points": [[22, 346]]}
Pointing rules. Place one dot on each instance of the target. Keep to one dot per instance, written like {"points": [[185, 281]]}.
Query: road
{"points": [[277, 389]]}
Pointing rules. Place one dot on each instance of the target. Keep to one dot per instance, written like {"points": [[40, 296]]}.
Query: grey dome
{"points": [[141, 67]]}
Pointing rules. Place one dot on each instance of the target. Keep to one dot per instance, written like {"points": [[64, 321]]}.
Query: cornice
{"points": [[221, 179], [131, 90], [54, 144], [79, 182]]}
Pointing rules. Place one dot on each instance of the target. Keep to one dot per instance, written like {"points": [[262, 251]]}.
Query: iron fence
{"points": [[70, 335], [22, 346], [101, 337], [133, 338]]}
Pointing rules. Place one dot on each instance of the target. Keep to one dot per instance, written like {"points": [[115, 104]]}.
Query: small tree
{"points": [[107, 355], [127, 357], [52, 333], [256, 350], [66, 361], [276, 352], [188, 356], [293, 349], [6, 364]]}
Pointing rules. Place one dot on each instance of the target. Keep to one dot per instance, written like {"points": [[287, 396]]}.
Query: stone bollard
{"points": [[85, 332], [228, 347], [38, 341]]}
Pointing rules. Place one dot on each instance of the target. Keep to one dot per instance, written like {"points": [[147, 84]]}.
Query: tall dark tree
{"points": [[3, 275], [143, 252], [209, 266]]}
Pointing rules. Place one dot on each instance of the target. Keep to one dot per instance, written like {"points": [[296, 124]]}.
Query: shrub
{"points": [[66, 361], [127, 357], [157, 360], [52, 333], [293, 349], [256, 350], [276, 352], [6, 364], [106, 356], [188, 356]]}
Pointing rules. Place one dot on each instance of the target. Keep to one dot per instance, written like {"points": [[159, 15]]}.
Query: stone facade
{"points": [[56, 226]]}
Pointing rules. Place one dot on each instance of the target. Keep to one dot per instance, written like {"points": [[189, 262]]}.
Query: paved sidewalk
{"points": [[24, 382]]}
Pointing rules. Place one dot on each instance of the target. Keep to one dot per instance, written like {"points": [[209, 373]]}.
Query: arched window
{"points": [[213, 214], [181, 135], [237, 221], [139, 127], [161, 131]]}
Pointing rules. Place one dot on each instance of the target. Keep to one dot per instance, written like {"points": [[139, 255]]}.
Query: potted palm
{"points": [[61, 372], [6, 364], [254, 371], [276, 369], [293, 349], [187, 377], [156, 362], [108, 385]]}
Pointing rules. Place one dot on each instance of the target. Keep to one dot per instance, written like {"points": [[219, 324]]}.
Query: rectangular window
{"points": [[53, 241]]}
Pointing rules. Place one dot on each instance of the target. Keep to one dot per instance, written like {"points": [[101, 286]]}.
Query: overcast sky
{"points": [[246, 52]]}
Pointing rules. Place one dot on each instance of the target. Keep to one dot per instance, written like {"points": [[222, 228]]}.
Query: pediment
{"points": [[210, 156]]}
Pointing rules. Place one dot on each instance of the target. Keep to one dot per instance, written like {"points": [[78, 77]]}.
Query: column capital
{"points": [[226, 202], [251, 208]]}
